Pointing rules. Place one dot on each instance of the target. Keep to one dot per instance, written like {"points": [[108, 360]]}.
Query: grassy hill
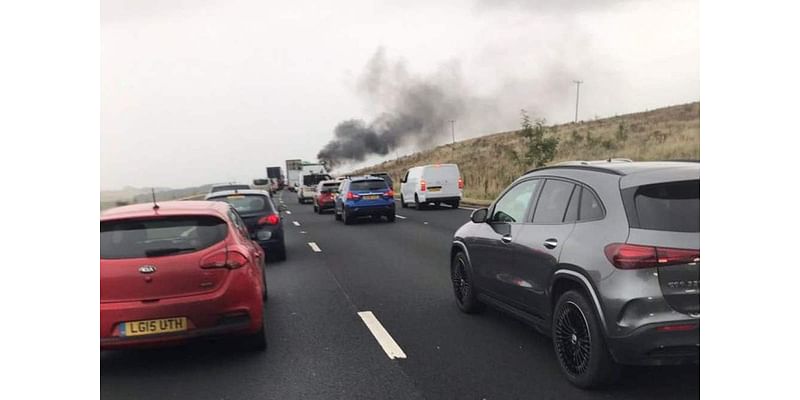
{"points": [[488, 164]]}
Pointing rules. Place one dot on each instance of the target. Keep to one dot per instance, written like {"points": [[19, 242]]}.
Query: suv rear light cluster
{"points": [[631, 256], [389, 194], [224, 259], [271, 219], [423, 186], [352, 196]]}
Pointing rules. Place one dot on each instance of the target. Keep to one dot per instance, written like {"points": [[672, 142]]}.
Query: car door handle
{"points": [[551, 243], [506, 239]]}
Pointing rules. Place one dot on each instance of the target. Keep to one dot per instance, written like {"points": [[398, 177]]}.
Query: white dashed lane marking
{"points": [[296, 223], [288, 212], [314, 247], [400, 216], [383, 337]]}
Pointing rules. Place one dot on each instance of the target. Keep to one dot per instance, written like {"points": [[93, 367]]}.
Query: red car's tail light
{"points": [[352, 196], [423, 186], [389, 194], [460, 183], [271, 219], [631, 256], [224, 259]]}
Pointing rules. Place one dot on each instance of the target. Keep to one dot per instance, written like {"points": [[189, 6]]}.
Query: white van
{"points": [[431, 184]]}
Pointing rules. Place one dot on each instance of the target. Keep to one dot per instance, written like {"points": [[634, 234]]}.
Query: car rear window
{"points": [[328, 187], [139, 238], [246, 204], [229, 187], [371, 184], [669, 206]]}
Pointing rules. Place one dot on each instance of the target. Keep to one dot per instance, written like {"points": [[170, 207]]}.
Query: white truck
{"points": [[310, 176], [293, 170]]}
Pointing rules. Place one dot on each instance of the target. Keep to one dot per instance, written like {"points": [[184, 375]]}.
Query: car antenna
{"points": [[155, 205]]}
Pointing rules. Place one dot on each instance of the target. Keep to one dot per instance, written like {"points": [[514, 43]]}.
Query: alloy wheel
{"points": [[572, 338]]}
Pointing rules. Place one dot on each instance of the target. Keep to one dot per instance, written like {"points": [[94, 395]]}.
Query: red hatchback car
{"points": [[177, 271]]}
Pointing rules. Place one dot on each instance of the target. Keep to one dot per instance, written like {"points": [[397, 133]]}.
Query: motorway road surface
{"points": [[320, 348]]}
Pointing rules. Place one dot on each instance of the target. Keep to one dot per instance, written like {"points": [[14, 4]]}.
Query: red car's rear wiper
{"points": [[167, 251]]}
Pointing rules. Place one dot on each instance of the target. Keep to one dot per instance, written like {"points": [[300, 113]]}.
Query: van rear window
{"points": [[669, 206], [139, 238]]}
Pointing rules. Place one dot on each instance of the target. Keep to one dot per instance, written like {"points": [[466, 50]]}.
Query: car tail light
{"points": [[423, 186], [352, 196], [631, 256], [271, 219], [224, 259], [389, 194], [460, 183]]}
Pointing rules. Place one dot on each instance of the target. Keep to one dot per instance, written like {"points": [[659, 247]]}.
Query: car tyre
{"points": [[417, 204], [348, 220], [316, 209], [390, 217], [256, 341], [463, 285], [455, 204], [579, 343], [403, 202]]}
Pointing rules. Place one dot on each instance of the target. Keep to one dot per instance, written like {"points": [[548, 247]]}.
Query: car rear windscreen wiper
{"points": [[168, 250]]}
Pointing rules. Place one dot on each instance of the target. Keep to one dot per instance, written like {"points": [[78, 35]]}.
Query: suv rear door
{"points": [[540, 240]]}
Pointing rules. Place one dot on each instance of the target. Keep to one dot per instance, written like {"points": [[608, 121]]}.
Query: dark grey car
{"points": [[604, 257]]}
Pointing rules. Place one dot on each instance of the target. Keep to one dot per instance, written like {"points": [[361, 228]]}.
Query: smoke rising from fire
{"points": [[412, 110]]}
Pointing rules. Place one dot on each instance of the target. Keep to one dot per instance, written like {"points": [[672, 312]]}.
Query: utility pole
{"points": [[453, 130], [577, 97]]}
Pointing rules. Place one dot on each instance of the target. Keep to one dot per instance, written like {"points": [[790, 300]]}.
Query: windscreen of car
{"points": [[246, 204], [139, 238], [229, 187], [669, 206], [369, 184]]}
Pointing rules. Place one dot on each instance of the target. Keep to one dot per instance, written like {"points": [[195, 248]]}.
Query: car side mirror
{"points": [[479, 216]]}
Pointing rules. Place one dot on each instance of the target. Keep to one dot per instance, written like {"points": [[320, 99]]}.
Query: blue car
{"points": [[367, 196]]}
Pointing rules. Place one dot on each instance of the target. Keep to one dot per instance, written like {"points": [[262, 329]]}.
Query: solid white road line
{"points": [[314, 247], [468, 208], [296, 223], [388, 344], [400, 216]]}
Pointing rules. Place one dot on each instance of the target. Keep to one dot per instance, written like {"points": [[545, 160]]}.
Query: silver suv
{"points": [[604, 257]]}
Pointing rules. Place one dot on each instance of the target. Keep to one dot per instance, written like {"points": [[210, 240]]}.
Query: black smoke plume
{"points": [[412, 110]]}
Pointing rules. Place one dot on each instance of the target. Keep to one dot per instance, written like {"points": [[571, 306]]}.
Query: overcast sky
{"points": [[202, 91]]}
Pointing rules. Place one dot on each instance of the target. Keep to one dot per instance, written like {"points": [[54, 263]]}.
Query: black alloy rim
{"points": [[460, 281], [573, 342]]}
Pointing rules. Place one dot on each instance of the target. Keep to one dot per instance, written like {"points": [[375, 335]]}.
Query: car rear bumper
{"points": [[359, 211], [650, 346], [326, 205], [235, 308], [435, 197]]}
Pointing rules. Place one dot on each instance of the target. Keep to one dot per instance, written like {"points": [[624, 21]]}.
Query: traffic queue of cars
{"points": [[602, 257]]}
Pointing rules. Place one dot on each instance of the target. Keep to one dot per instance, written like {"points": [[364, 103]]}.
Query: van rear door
{"points": [[442, 180]]}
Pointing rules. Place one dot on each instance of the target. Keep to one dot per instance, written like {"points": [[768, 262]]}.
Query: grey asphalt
{"points": [[320, 349]]}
